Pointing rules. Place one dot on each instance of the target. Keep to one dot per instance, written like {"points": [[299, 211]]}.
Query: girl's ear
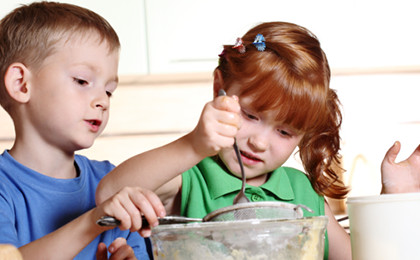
{"points": [[16, 82], [217, 82]]}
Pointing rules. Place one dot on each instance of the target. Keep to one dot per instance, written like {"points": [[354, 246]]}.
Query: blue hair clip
{"points": [[259, 42]]}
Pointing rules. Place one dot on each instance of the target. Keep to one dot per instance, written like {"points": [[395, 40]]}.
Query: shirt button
{"points": [[255, 197]]}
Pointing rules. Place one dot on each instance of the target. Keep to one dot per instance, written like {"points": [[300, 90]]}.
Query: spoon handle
{"points": [[240, 197], [109, 221]]}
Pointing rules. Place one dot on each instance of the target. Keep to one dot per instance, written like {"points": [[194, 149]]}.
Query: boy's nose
{"points": [[100, 105], [101, 102]]}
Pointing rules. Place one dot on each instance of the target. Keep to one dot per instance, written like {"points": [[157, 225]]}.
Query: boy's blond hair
{"points": [[30, 33]]}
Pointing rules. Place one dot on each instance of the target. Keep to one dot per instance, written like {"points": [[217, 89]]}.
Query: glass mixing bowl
{"points": [[272, 239]]}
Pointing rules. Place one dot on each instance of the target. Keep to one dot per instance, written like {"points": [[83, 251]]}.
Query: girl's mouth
{"points": [[250, 158]]}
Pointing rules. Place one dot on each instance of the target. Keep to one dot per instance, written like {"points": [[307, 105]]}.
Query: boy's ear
{"points": [[217, 82], [16, 82]]}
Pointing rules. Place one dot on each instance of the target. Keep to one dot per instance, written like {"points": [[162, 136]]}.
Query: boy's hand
{"points": [[403, 176], [218, 124], [128, 206], [118, 249]]}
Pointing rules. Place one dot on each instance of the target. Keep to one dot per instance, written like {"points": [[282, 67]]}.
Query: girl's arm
{"points": [[340, 246], [217, 126]]}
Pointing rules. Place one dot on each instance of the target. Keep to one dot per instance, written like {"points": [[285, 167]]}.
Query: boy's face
{"points": [[70, 93], [264, 142]]}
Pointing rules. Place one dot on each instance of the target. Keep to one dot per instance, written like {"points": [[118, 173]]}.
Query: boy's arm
{"points": [[215, 130], [127, 206], [403, 176], [66, 242]]}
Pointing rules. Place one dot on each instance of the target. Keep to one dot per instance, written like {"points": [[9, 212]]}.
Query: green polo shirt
{"points": [[208, 186]]}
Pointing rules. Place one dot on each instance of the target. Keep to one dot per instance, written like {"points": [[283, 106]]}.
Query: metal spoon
{"points": [[240, 197], [108, 221]]}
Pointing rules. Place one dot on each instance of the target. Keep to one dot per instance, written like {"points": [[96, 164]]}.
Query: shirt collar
{"points": [[221, 182], [279, 184]]}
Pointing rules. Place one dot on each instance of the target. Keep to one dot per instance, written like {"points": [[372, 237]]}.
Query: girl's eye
{"points": [[80, 81], [109, 93], [250, 116], [284, 132]]}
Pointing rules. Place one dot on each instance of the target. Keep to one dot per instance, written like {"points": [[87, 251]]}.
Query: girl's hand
{"points": [[128, 206], [218, 124], [118, 249], [403, 176]]}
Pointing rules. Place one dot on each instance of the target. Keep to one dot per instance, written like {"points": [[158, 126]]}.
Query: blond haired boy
{"points": [[58, 67]]}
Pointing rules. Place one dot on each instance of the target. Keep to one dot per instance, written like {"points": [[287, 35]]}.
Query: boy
{"points": [[58, 68]]}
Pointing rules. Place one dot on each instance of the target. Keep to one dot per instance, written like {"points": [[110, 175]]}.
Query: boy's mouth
{"points": [[94, 124]]}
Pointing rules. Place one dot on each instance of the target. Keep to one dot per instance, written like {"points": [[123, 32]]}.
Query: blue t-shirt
{"points": [[33, 205]]}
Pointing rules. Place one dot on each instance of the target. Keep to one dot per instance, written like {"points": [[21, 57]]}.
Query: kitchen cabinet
{"points": [[187, 35], [127, 17], [184, 36]]}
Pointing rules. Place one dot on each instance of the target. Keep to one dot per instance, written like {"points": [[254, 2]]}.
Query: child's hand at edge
{"points": [[128, 206], [218, 125], [118, 249], [401, 177]]}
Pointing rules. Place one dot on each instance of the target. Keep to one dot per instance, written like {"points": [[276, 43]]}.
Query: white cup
{"points": [[385, 226]]}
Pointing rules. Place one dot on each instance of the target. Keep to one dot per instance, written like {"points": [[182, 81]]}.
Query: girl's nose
{"points": [[259, 141]]}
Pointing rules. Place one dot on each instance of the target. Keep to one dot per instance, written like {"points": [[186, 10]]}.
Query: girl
{"points": [[277, 81]]}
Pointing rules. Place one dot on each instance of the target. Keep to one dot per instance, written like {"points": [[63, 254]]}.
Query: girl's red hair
{"points": [[292, 76]]}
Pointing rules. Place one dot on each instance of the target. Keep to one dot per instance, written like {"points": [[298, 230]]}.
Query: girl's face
{"points": [[70, 99], [265, 143]]}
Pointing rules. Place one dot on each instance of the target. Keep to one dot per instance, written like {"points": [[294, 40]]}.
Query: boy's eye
{"points": [[109, 93], [80, 81]]}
